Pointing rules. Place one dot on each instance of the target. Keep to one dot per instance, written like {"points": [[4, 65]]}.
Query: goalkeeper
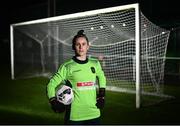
{"points": [[81, 73]]}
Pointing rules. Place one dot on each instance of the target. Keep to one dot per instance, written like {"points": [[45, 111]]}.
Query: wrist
{"points": [[52, 99], [101, 92], [100, 98]]}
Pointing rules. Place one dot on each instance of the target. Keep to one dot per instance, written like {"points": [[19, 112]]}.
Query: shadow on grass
{"points": [[11, 118]]}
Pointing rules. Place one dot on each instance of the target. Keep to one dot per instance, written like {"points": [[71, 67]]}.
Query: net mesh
{"points": [[40, 48]]}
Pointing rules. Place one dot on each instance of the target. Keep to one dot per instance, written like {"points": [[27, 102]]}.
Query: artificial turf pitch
{"points": [[24, 101]]}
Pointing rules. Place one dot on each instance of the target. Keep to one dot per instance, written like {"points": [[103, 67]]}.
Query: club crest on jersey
{"points": [[93, 70]]}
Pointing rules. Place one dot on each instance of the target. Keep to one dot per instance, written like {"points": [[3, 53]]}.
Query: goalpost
{"points": [[130, 47]]}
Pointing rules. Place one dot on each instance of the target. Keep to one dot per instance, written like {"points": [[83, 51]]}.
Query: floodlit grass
{"points": [[120, 109], [24, 101]]}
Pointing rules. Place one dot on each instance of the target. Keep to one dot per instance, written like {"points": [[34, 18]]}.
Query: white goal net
{"points": [[39, 47]]}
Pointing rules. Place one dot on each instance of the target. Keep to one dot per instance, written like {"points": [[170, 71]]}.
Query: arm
{"points": [[100, 76], [102, 85], [58, 77]]}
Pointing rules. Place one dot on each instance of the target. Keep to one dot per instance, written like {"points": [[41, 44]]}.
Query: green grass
{"points": [[120, 109], [24, 101]]}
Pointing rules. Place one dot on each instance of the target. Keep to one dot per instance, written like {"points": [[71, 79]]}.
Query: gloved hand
{"points": [[100, 102], [56, 105], [101, 98]]}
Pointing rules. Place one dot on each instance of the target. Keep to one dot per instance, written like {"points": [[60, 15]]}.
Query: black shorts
{"points": [[95, 121]]}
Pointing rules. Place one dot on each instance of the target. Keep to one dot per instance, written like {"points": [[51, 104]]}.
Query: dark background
{"points": [[165, 13]]}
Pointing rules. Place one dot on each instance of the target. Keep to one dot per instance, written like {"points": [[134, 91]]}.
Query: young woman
{"points": [[80, 73]]}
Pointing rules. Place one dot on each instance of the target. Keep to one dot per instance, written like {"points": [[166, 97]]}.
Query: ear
{"points": [[88, 47]]}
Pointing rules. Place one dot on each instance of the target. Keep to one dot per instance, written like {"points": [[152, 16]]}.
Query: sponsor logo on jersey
{"points": [[82, 84]]}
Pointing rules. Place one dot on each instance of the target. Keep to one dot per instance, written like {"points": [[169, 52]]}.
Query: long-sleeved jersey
{"points": [[82, 75]]}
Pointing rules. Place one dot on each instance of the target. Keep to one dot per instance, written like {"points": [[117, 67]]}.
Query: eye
{"points": [[77, 44]]}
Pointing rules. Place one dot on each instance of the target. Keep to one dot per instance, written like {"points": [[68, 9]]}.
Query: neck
{"points": [[82, 58]]}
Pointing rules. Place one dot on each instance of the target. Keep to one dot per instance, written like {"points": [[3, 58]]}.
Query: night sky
{"points": [[161, 12]]}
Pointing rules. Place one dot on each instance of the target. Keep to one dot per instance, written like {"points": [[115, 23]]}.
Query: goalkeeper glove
{"points": [[56, 105], [101, 98]]}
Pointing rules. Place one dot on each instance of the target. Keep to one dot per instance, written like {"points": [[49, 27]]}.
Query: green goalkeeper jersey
{"points": [[82, 75]]}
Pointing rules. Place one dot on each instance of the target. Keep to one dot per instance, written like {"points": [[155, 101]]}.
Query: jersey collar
{"points": [[80, 61]]}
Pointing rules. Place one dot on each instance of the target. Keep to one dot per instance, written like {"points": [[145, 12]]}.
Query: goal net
{"points": [[130, 47]]}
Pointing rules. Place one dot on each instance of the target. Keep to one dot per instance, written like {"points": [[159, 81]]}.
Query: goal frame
{"points": [[87, 13]]}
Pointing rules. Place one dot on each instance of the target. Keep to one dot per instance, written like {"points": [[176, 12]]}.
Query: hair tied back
{"points": [[80, 32]]}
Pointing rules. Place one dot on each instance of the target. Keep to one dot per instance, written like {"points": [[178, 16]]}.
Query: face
{"points": [[81, 46]]}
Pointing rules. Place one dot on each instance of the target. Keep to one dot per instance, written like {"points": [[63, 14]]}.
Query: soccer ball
{"points": [[65, 95]]}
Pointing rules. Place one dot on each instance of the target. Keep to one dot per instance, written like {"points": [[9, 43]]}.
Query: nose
{"points": [[80, 46]]}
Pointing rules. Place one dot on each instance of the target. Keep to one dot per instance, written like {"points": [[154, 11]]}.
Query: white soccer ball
{"points": [[65, 95]]}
